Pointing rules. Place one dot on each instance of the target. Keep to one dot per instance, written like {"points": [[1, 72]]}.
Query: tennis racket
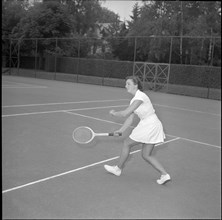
{"points": [[84, 135]]}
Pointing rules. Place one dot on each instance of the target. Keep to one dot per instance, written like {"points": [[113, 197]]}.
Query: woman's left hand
{"points": [[112, 112]]}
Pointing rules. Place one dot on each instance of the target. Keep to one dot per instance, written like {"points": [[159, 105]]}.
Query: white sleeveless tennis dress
{"points": [[149, 130]]}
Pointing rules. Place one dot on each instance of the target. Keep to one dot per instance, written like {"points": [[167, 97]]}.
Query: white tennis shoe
{"points": [[163, 179], [113, 169]]}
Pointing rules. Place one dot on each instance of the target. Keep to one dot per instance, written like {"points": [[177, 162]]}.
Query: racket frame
{"points": [[94, 134]]}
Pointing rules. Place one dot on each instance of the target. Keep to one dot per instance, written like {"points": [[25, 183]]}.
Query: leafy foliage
{"points": [[155, 20], [47, 20], [12, 13]]}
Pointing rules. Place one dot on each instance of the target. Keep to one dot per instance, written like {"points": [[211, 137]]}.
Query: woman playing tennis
{"points": [[148, 132]]}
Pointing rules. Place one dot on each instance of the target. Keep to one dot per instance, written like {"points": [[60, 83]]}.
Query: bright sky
{"points": [[123, 8]]}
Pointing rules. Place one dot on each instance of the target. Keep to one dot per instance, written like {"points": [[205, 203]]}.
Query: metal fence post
{"points": [[170, 57], [10, 56], [103, 69], [211, 65], [78, 61], [55, 58], [36, 51], [18, 64], [134, 57]]}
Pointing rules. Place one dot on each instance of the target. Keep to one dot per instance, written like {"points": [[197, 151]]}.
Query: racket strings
{"points": [[82, 135]]}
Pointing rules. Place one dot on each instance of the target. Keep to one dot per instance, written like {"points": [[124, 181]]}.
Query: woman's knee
{"points": [[147, 152], [128, 143], [146, 157]]}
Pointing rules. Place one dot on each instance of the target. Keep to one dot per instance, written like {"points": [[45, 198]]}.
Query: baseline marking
{"points": [[18, 83], [98, 119], [44, 112], [23, 87], [68, 111], [198, 142], [77, 109], [186, 109], [62, 103], [75, 170]]}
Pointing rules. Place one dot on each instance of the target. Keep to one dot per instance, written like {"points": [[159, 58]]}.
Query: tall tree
{"points": [[43, 20], [106, 16], [12, 12], [84, 15], [178, 18]]}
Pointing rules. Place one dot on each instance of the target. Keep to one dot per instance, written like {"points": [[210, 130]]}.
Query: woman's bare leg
{"points": [[128, 144], [147, 156]]}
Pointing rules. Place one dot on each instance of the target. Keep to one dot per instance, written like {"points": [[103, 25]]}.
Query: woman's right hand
{"points": [[118, 133]]}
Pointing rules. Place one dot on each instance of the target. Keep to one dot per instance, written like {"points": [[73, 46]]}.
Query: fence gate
{"points": [[5, 56], [154, 76], [14, 54]]}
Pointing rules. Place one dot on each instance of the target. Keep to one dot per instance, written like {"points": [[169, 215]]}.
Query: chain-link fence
{"points": [[180, 65]]}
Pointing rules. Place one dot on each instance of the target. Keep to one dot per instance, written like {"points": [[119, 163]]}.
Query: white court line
{"points": [[6, 81], [81, 109], [186, 109], [75, 109], [23, 87], [18, 83], [75, 170], [98, 119], [62, 103], [198, 142]]}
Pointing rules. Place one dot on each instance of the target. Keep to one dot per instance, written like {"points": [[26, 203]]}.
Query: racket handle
{"points": [[115, 134]]}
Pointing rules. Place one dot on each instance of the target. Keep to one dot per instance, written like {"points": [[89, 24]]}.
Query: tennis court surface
{"points": [[45, 174]]}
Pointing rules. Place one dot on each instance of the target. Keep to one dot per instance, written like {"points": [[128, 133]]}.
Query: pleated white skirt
{"points": [[148, 131]]}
